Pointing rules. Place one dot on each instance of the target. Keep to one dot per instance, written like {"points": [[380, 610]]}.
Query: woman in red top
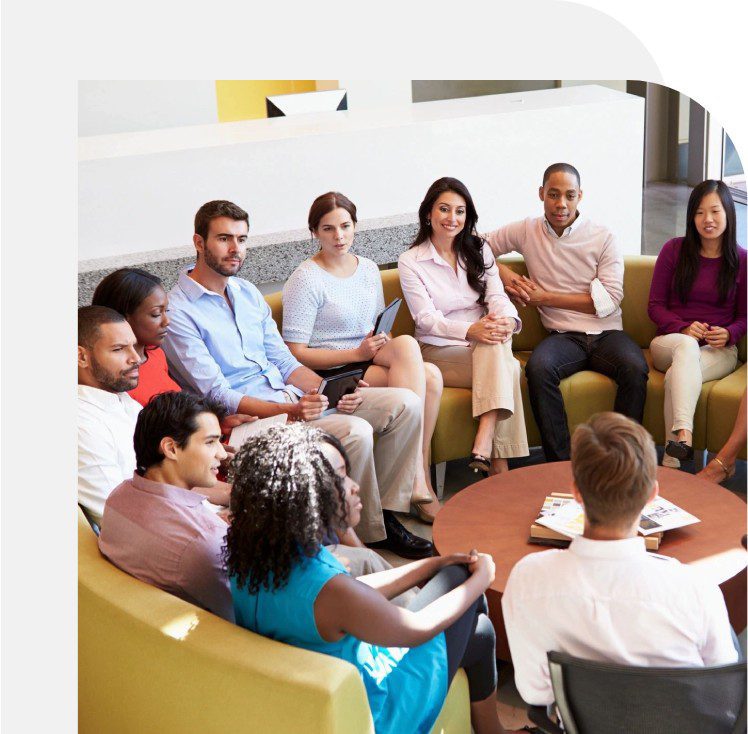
{"points": [[140, 297]]}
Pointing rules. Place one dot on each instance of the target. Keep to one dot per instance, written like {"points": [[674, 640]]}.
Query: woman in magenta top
{"points": [[698, 301]]}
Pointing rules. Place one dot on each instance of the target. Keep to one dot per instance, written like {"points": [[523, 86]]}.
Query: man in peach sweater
{"points": [[576, 281]]}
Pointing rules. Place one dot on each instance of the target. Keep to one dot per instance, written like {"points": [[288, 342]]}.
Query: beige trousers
{"points": [[686, 366], [384, 472], [493, 373]]}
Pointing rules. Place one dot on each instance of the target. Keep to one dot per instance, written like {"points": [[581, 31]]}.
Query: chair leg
{"points": [[441, 472], [700, 459]]}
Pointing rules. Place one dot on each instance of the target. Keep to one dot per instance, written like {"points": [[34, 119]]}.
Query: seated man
{"points": [[576, 281], [222, 343], [107, 369], [156, 525], [606, 598]]}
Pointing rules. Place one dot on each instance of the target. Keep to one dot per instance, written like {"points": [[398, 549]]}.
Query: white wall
{"points": [[618, 84], [106, 107], [140, 193], [364, 94]]}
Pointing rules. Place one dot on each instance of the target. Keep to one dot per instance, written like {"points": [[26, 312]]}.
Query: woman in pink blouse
{"points": [[465, 321]]}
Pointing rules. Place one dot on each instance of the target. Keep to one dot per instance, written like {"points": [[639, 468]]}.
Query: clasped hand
{"points": [[477, 563], [491, 329], [714, 336], [524, 292]]}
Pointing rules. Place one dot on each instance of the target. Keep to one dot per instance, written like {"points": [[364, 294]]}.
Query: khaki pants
{"points": [[384, 472], [686, 366], [493, 373]]}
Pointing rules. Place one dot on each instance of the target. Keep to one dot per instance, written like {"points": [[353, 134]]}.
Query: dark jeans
{"points": [[560, 355], [471, 640]]}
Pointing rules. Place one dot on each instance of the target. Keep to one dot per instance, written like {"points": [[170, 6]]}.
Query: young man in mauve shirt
{"points": [[576, 281]]}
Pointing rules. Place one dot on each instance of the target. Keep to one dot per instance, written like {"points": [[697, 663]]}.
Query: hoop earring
{"points": [[428, 222]]}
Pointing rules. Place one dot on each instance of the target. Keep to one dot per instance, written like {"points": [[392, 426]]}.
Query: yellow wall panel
{"points": [[244, 99]]}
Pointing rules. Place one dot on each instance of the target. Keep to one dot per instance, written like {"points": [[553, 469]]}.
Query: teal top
{"points": [[406, 687]]}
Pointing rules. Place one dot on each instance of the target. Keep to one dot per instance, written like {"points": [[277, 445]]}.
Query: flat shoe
{"points": [[679, 450], [480, 463], [423, 510]]}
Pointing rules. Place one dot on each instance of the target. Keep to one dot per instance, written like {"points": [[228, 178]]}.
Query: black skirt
{"points": [[345, 368]]}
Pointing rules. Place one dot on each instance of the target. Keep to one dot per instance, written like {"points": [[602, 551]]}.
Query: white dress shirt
{"points": [[610, 601], [106, 456]]}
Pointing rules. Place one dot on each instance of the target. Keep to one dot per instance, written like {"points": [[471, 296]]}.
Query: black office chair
{"points": [[603, 698]]}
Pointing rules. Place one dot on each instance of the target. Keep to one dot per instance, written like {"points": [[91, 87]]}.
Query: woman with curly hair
{"points": [[291, 489], [465, 321]]}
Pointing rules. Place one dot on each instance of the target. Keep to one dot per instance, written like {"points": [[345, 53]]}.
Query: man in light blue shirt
{"points": [[222, 343]]}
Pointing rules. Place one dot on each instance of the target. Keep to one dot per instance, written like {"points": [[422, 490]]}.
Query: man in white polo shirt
{"points": [[606, 598], [107, 369], [576, 281]]}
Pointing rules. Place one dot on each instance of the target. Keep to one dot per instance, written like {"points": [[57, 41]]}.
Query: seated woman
{"points": [[722, 466], [698, 301], [291, 487], [140, 297], [330, 303], [465, 321]]}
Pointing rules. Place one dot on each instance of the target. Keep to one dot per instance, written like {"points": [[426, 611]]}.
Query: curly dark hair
{"points": [[285, 499], [468, 245]]}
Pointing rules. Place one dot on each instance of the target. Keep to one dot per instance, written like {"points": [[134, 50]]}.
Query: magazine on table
{"points": [[566, 516], [246, 430]]}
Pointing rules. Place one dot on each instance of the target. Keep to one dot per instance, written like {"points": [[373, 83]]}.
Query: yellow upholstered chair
{"points": [[150, 662], [586, 392]]}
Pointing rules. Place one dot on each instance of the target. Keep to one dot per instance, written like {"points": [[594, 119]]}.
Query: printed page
{"points": [[661, 515], [241, 433]]}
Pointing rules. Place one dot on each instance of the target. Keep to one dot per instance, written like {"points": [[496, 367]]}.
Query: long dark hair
{"points": [[687, 267], [125, 289], [468, 246], [285, 498]]}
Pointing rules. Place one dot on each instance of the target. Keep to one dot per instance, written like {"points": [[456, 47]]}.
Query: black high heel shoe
{"points": [[679, 450], [480, 463]]}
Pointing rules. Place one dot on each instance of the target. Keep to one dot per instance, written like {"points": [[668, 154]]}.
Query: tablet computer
{"points": [[335, 387], [386, 320]]}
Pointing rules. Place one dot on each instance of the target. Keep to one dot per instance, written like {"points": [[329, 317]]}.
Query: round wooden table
{"points": [[495, 515]]}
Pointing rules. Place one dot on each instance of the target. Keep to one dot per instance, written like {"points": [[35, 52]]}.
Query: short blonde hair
{"points": [[614, 463]]}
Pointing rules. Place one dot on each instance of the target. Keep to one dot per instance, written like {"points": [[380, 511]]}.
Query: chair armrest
{"points": [[539, 716]]}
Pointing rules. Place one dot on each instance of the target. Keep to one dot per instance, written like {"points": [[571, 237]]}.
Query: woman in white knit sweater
{"points": [[330, 303]]}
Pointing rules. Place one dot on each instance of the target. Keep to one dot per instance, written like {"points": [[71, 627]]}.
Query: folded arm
{"points": [[347, 606]]}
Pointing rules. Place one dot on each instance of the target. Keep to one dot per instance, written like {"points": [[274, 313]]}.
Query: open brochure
{"points": [[241, 433], [568, 517]]}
